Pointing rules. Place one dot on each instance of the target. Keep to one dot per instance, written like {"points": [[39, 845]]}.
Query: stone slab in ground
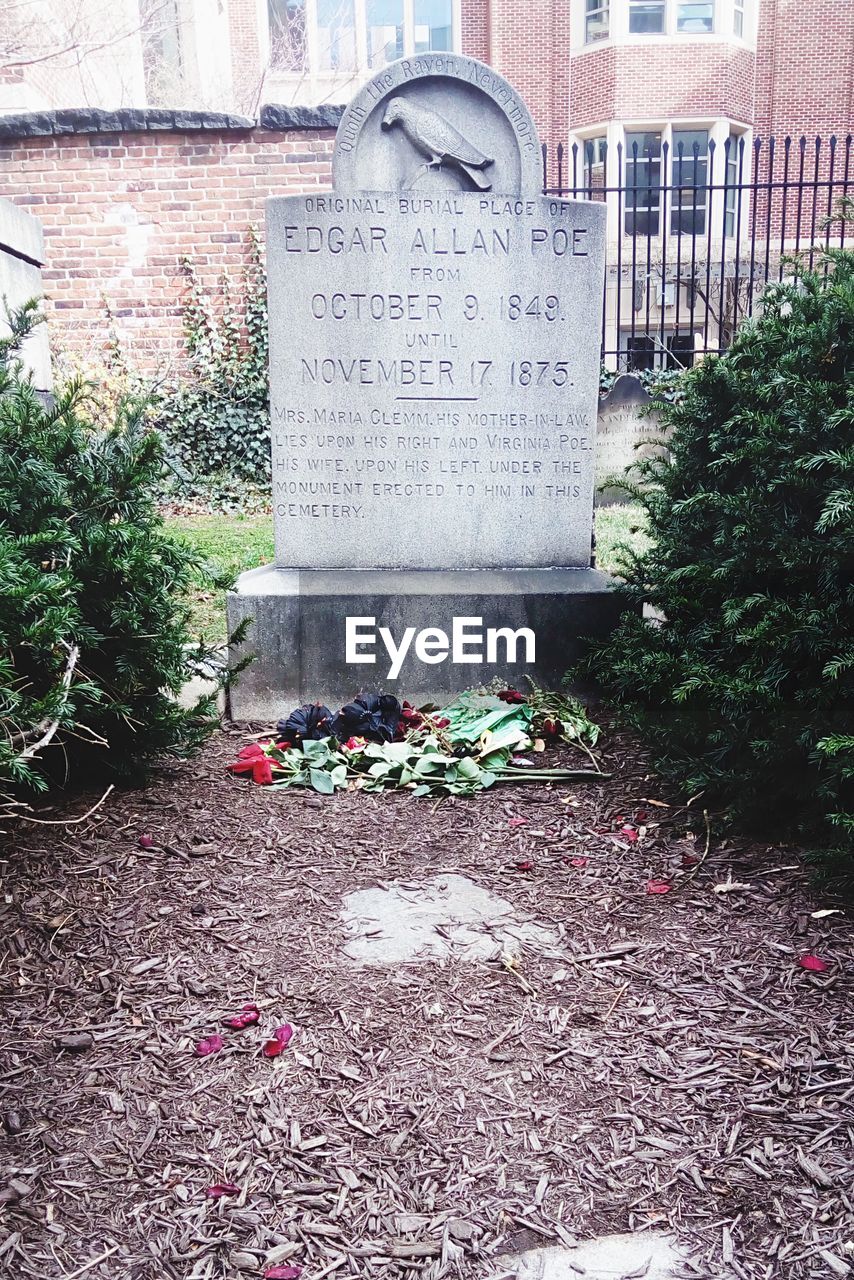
{"points": [[448, 916], [648, 1255]]}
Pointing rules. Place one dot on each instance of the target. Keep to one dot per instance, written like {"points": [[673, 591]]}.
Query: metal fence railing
{"points": [[696, 230]]}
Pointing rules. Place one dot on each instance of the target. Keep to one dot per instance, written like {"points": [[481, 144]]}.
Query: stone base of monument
{"points": [[299, 631]]}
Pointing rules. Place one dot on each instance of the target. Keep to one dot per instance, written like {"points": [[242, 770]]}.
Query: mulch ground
{"points": [[675, 1066]]}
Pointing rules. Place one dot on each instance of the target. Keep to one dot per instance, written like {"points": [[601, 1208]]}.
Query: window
{"points": [[646, 16], [162, 56], [336, 35], [433, 26], [288, 44], [596, 21], [732, 193], [594, 154], [645, 352], [640, 352], [695, 17], [385, 31], [738, 17], [309, 37], [689, 179], [643, 183], [680, 351]]}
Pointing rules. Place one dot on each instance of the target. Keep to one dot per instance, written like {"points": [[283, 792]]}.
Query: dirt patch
{"points": [[676, 1070]]}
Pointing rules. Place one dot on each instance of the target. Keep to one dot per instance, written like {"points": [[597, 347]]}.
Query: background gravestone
{"points": [[434, 358], [625, 434]]}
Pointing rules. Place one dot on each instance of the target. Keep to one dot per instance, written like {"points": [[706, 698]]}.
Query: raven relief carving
{"points": [[436, 138]]}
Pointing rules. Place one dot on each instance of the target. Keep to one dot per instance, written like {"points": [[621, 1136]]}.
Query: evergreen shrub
{"points": [[744, 687], [93, 628]]}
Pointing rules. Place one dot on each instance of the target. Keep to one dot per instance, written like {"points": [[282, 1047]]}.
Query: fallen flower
{"points": [[511, 696], [355, 744], [210, 1044], [629, 833], [658, 886], [813, 963], [262, 772], [146, 842], [220, 1189], [524, 866], [246, 1018], [689, 859], [282, 1273], [516, 822], [578, 862], [281, 1040]]}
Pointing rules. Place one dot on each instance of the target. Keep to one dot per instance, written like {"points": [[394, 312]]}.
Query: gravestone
{"points": [[434, 357], [626, 434]]}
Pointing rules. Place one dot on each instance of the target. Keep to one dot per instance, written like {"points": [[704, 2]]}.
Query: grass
{"points": [[616, 525], [231, 543], [228, 544]]}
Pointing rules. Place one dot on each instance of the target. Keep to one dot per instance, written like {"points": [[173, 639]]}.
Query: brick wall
{"points": [[119, 210], [661, 82], [805, 67]]}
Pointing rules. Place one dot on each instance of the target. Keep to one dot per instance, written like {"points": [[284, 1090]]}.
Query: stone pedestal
{"points": [[299, 631]]}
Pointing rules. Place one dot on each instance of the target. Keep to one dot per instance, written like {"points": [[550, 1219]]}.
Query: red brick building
{"points": [[624, 86]]}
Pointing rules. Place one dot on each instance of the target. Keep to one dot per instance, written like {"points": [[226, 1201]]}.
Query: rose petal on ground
{"points": [[578, 862], [281, 1272], [658, 886], [283, 1034], [146, 842], [220, 1189], [247, 1017], [629, 833], [210, 1044], [516, 822], [814, 963], [524, 866]]}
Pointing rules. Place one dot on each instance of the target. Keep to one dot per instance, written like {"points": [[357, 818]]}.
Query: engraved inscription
{"points": [[434, 386]]}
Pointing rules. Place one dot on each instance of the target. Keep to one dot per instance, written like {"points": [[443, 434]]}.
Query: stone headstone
{"points": [[434, 357], [625, 434]]}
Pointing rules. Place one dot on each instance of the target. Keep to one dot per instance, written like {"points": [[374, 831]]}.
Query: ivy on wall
{"points": [[215, 418]]}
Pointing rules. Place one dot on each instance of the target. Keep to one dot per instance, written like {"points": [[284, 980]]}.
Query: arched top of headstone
{"points": [[437, 123], [627, 392]]}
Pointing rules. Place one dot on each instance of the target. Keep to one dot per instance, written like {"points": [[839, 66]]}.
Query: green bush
{"points": [[215, 418], [745, 687], [93, 635]]}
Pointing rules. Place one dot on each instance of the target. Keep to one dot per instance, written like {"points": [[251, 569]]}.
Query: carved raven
{"points": [[436, 138]]}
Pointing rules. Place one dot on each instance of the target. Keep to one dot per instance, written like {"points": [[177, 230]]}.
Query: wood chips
{"points": [[669, 1064]]}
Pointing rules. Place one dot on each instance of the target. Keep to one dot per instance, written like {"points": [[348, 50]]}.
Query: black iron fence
{"points": [[698, 229]]}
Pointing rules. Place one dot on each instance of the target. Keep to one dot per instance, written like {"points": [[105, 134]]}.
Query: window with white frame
{"points": [[326, 36], [594, 152], [643, 183], [738, 7], [646, 17], [597, 24], [667, 168], [695, 17], [689, 179], [734, 151]]}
